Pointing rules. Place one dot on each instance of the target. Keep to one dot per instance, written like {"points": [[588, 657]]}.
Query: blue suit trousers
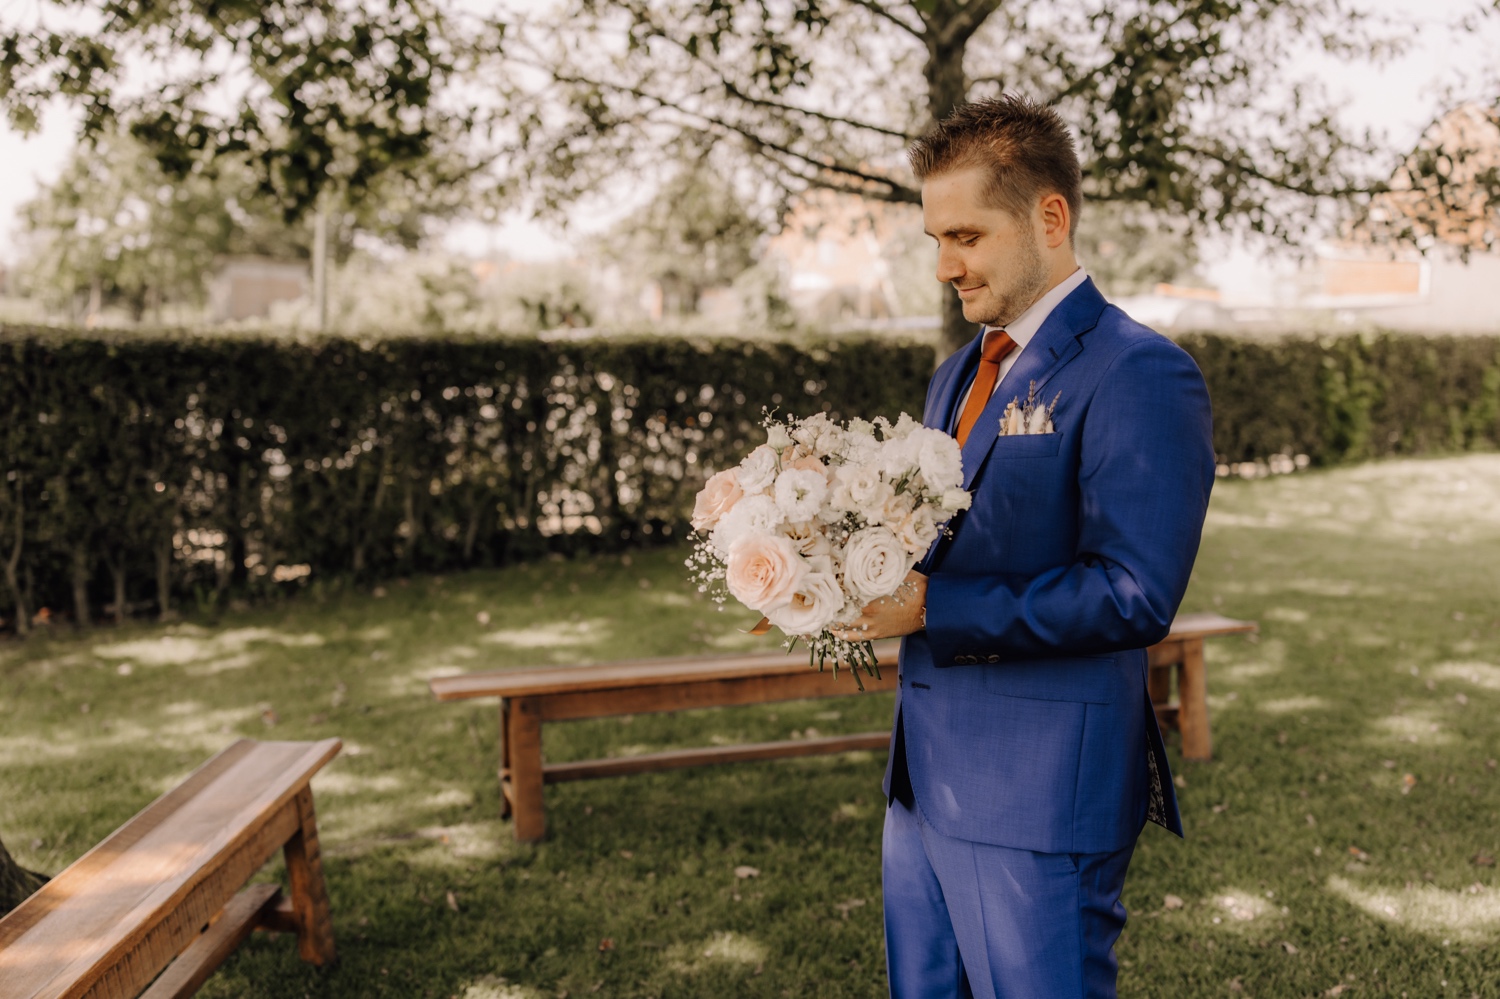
{"points": [[966, 919]]}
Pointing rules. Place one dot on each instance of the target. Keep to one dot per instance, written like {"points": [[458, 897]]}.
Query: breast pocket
{"points": [[1027, 446]]}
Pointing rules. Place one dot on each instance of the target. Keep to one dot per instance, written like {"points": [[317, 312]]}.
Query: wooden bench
{"points": [[1181, 654], [155, 908], [529, 697]]}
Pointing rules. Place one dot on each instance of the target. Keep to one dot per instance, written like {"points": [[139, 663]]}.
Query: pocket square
{"points": [[1029, 417]]}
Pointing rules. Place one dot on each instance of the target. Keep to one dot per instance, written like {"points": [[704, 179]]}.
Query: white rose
{"points": [[758, 470], [916, 530], [752, 515], [940, 459], [810, 541], [867, 493], [814, 606], [875, 563], [717, 497], [763, 571]]}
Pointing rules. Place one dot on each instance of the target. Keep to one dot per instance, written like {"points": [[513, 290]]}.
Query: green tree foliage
{"points": [[1180, 106], [695, 234], [16, 883], [115, 229], [1129, 249]]}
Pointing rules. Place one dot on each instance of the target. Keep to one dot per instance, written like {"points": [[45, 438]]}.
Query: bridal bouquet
{"points": [[821, 520]]}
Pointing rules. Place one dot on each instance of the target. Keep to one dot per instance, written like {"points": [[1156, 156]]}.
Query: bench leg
{"points": [[1159, 684], [1192, 690], [304, 867], [521, 767]]}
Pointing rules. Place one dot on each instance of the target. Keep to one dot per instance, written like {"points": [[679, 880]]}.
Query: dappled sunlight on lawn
{"points": [[552, 634], [725, 948], [1417, 725], [1454, 499], [212, 652], [1292, 705], [1471, 914], [493, 987], [203, 732], [1479, 674]]}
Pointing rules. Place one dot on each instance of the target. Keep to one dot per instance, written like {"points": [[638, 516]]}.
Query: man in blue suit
{"points": [[1025, 756]]}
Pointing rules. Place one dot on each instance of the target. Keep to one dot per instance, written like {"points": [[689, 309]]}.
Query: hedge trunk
{"points": [[16, 883]]}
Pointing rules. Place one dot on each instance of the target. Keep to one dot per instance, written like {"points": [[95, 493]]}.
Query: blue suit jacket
{"points": [[1026, 718]]}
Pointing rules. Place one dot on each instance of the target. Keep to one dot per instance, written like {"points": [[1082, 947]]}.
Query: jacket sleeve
{"points": [[1146, 466]]}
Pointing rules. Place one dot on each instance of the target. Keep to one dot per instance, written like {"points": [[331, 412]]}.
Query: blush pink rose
{"points": [[763, 571], [717, 497]]}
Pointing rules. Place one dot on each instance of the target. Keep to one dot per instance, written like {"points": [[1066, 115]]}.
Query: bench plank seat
{"points": [[108, 924], [531, 696]]}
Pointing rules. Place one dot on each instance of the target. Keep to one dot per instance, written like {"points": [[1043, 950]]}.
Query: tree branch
{"points": [[965, 21], [739, 95], [757, 141], [881, 11]]}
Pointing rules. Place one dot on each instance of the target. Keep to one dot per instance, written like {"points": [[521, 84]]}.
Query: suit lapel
{"points": [[942, 400], [1053, 346]]}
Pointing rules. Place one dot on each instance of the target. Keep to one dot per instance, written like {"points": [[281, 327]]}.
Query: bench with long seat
{"points": [[154, 909], [530, 697]]}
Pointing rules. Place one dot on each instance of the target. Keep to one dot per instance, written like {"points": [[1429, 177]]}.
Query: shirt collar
{"points": [[1024, 328]]}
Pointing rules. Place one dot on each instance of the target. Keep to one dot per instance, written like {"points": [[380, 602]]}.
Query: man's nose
{"points": [[949, 266]]}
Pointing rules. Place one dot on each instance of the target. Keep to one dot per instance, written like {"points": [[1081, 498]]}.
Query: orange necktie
{"points": [[997, 344]]}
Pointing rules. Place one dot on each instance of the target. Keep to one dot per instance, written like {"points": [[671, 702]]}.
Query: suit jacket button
{"points": [[992, 658]]}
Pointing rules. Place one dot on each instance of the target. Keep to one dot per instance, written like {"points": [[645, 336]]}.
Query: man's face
{"points": [[992, 258]]}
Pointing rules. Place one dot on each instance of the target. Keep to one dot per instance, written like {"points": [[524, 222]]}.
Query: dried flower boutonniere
{"points": [[1029, 417]]}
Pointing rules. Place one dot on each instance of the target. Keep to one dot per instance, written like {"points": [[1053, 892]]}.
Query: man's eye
{"points": [[969, 240]]}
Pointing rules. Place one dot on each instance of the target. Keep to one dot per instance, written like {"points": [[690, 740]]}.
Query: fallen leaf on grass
{"points": [[1288, 946], [844, 907], [1408, 781], [606, 944], [1172, 902], [626, 854], [745, 871], [1359, 855], [453, 901], [1338, 990], [1482, 859]]}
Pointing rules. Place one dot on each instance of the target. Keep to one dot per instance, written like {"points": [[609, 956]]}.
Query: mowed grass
{"points": [[1341, 841]]}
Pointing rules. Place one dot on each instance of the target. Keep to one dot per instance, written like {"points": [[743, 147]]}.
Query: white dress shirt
{"points": [[1025, 327]]}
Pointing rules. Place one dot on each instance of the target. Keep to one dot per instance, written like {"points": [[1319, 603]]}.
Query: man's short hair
{"points": [[1024, 147]]}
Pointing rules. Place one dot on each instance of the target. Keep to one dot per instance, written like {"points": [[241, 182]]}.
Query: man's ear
{"points": [[1056, 219]]}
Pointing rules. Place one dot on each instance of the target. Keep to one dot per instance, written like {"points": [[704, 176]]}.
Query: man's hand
{"points": [[892, 616]]}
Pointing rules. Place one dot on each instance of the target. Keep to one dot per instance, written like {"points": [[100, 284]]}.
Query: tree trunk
{"points": [[947, 87], [13, 563], [81, 586], [164, 579], [117, 571], [16, 883]]}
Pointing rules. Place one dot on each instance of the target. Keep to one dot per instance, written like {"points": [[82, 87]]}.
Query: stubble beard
{"points": [[1027, 285]]}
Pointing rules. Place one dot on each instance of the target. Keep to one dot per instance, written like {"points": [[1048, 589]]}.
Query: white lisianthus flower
{"points": [[777, 437], [875, 563], [900, 457], [905, 425], [811, 430], [813, 607], [940, 459], [955, 500], [800, 493], [764, 571], [758, 470], [756, 514]]}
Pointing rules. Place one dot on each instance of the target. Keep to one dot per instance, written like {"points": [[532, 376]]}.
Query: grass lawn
{"points": [[1341, 841]]}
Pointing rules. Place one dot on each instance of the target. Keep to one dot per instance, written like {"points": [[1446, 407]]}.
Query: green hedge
{"points": [[139, 471], [142, 471]]}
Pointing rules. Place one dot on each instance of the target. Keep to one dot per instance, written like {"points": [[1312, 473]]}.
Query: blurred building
{"points": [[833, 251], [246, 287], [1425, 256]]}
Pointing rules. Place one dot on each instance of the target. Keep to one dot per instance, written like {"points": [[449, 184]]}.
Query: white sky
{"points": [[1399, 99]]}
